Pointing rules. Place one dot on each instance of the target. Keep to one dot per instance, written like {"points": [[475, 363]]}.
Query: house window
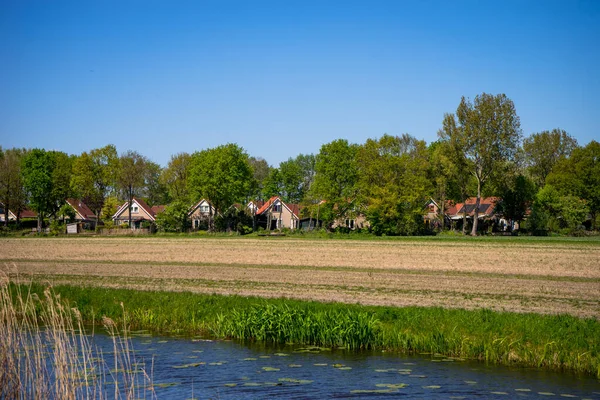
{"points": [[276, 207], [431, 208], [350, 223], [134, 209], [204, 209]]}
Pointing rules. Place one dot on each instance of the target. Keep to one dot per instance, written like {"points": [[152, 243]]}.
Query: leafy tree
{"points": [[393, 182], [132, 175], [515, 198], [111, 205], [66, 211], [155, 191], [336, 178], [12, 193], [485, 134], [221, 175], [94, 176], [553, 211], [543, 150], [46, 178], [174, 218], [579, 175], [260, 172], [175, 177]]}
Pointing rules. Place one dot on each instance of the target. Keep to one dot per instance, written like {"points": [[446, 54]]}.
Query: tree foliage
{"points": [[543, 150], [12, 192], [175, 177], [393, 183], [336, 178], [132, 176], [221, 175], [485, 134]]}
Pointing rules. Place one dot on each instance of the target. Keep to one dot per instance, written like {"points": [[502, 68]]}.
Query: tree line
{"points": [[547, 178]]}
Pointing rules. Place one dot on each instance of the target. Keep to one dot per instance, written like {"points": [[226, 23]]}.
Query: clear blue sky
{"points": [[282, 78]]}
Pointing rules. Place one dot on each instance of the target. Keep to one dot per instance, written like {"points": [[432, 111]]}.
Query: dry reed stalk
{"points": [[45, 353]]}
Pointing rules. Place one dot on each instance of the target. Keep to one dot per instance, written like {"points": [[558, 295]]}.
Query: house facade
{"points": [[276, 214], [200, 213], [140, 213]]}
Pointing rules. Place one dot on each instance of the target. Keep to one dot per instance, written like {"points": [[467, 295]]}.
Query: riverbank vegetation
{"points": [[45, 352], [557, 342]]}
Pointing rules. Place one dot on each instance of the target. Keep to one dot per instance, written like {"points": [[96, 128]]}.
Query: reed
{"points": [[557, 342], [45, 352]]}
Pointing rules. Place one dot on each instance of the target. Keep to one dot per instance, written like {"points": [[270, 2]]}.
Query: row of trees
{"points": [[479, 152]]}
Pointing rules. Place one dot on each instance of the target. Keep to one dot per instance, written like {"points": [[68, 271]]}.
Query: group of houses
{"points": [[275, 214]]}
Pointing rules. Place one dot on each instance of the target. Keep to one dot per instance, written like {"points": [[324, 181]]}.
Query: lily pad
{"points": [[546, 393], [166, 384], [293, 380], [250, 359], [375, 391], [252, 384], [432, 387], [320, 365], [281, 354], [230, 384], [522, 390], [503, 393], [295, 366], [270, 369], [392, 385], [192, 365]]}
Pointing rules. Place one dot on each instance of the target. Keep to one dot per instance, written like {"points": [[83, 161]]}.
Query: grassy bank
{"points": [[551, 342]]}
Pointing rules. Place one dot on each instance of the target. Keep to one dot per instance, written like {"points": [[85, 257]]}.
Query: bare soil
{"points": [[539, 277]]}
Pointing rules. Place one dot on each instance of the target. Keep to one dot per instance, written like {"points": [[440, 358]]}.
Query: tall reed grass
{"points": [[556, 342], [46, 354]]}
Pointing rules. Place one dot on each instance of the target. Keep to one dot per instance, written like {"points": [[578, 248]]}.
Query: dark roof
{"points": [[81, 208], [157, 209]]}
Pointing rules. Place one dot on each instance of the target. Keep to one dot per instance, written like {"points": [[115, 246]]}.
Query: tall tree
{"points": [[221, 175], [393, 182], [175, 177], [156, 191], [336, 178], [579, 175], [489, 132], [543, 150], [132, 175], [46, 178], [516, 195], [94, 176], [12, 193]]}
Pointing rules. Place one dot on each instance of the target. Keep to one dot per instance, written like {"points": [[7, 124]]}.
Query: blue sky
{"points": [[282, 78]]}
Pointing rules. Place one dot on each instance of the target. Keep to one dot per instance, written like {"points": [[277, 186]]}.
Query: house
{"points": [[354, 218], [25, 214], [432, 214], [200, 213], [140, 213], [486, 211], [276, 214], [11, 215], [82, 211]]}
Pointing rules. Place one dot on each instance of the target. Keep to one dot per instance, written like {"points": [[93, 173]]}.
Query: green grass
{"points": [[558, 342]]}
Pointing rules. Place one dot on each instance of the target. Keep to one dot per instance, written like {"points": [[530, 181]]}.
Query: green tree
{"points": [[12, 192], [543, 150], [486, 134], [336, 178], [394, 184], [221, 175], [260, 172], [155, 191], [94, 176], [579, 175], [132, 176], [174, 218], [516, 196], [176, 175]]}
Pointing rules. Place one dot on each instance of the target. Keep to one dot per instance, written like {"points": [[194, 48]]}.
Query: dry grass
{"points": [[45, 352], [538, 277]]}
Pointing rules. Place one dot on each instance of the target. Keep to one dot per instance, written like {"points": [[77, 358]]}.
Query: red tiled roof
{"points": [[294, 208], [157, 209], [81, 208], [266, 205], [486, 206], [28, 214]]}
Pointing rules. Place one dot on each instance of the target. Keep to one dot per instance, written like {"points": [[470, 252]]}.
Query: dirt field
{"points": [[543, 277]]}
